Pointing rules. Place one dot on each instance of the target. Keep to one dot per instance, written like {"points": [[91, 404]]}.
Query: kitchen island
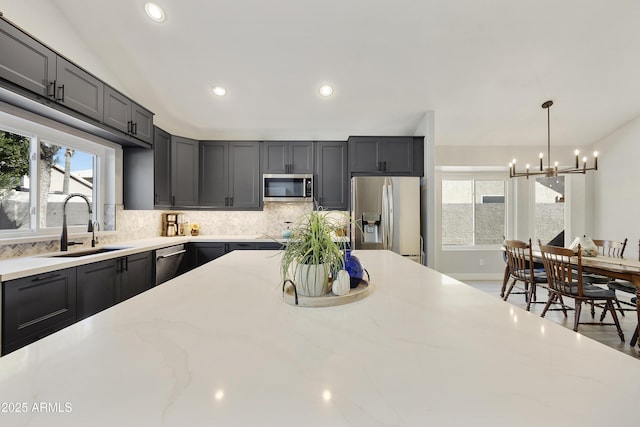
{"points": [[218, 346]]}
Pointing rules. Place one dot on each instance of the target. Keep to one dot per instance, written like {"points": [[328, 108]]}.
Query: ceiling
{"points": [[483, 67]]}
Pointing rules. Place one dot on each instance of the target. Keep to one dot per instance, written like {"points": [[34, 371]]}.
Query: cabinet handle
{"points": [[226, 201], [129, 126], [126, 264], [53, 90], [379, 166], [61, 89], [134, 127], [230, 201], [45, 277], [384, 168], [173, 200]]}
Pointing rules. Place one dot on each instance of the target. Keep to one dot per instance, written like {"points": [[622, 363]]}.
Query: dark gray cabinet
{"points": [[204, 252], [184, 172], [230, 174], [36, 306], [31, 69], [136, 275], [161, 168], [78, 90], [97, 286], [332, 175], [25, 61], [386, 155], [287, 157], [125, 115]]}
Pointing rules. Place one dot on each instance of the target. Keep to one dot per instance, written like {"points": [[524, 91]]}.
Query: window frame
{"points": [[104, 158], [473, 174]]}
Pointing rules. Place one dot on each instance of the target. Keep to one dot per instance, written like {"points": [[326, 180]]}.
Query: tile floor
{"points": [[605, 334]]}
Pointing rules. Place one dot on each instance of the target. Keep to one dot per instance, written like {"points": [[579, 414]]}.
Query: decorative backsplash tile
{"points": [[133, 225]]}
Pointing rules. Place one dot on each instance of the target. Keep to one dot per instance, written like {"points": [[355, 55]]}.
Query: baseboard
{"points": [[465, 277]]}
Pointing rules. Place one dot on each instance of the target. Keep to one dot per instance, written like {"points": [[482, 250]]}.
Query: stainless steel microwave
{"points": [[287, 187]]}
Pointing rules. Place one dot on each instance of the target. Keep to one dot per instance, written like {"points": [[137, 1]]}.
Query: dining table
{"points": [[613, 267]]}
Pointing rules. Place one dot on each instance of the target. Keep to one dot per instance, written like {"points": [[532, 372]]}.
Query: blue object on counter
{"points": [[354, 267]]}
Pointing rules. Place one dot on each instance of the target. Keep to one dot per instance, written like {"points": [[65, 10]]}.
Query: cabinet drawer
{"points": [[36, 306]]}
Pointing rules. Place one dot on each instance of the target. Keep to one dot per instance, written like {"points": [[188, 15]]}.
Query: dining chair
{"points": [[610, 248], [521, 268], [564, 277], [634, 338], [626, 287]]}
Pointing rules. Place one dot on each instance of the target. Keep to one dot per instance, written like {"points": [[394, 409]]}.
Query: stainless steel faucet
{"points": [[64, 240]]}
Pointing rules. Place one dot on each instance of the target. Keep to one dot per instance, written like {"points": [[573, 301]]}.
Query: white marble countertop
{"points": [[218, 347], [15, 268]]}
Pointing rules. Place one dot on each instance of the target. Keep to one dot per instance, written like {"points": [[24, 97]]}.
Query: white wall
{"points": [[616, 188]]}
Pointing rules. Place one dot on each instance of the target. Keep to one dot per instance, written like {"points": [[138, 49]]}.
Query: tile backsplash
{"points": [[133, 225]]}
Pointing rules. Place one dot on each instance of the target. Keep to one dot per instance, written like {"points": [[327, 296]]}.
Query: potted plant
{"points": [[313, 252]]}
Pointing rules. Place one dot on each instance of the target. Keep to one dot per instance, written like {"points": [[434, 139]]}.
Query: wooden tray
{"points": [[328, 299]]}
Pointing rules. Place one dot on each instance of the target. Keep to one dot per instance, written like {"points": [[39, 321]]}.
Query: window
{"points": [[40, 168], [549, 210], [473, 212]]}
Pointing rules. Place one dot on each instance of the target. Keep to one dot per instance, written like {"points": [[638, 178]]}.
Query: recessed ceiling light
{"points": [[325, 90], [154, 12], [219, 90]]}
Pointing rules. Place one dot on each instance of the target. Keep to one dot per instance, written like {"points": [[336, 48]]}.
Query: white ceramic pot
{"points": [[311, 280]]}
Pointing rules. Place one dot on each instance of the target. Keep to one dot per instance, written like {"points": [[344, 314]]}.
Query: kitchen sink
{"points": [[77, 254]]}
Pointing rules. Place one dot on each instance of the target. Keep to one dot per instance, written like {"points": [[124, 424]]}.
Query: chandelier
{"points": [[551, 171]]}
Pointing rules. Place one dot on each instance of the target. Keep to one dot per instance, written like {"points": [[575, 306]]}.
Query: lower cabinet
{"points": [[36, 306], [205, 252], [136, 275], [97, 284]]}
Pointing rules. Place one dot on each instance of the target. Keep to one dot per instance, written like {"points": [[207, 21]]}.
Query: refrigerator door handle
{"points": [[384, 223], [390, 213]]}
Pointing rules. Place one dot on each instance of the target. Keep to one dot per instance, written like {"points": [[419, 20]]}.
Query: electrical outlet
{"points": [[481, 261]]}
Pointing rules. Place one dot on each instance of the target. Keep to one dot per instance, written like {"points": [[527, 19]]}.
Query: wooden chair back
{"points": [[560, 271], [520, 259], [611, 248]]}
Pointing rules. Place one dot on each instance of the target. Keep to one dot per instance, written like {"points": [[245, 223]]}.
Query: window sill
{"points": [[16, 240]]}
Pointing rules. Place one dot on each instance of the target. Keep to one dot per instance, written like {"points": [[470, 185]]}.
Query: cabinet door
{"points": [[136, 275], [214, 174], [332, 175], [275, 157], [184, 171], [79, 90], [117, 110], [363, 155], [244, 174], [397, 155], [97, 284], [141, 123], [240, 246], [36, 306], [162, 168], [205, 252], [25, 62], [301, 157]]}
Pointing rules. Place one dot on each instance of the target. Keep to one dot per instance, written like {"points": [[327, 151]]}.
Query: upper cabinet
{"points": [[332, 175], [161, 168], [32, 70], [287, 157], [125, 115], [402, 155], [230, 174], [25, 61], [78, 90], [184, 172]]}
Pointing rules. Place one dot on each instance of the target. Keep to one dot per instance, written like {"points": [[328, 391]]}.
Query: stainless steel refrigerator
{"points": [[387, 210]]}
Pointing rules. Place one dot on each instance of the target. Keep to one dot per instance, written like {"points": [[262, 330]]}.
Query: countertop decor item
{"points": [[195, 229], [341, 284], [354, 267], [312, 253], [327, 300]]}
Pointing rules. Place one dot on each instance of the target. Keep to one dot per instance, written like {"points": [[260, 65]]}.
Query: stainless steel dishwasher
{"points": [[167, 262]]}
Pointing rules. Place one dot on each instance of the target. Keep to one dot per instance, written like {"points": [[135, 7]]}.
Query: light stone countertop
{"points": [[217, 346], [15, 268]]}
